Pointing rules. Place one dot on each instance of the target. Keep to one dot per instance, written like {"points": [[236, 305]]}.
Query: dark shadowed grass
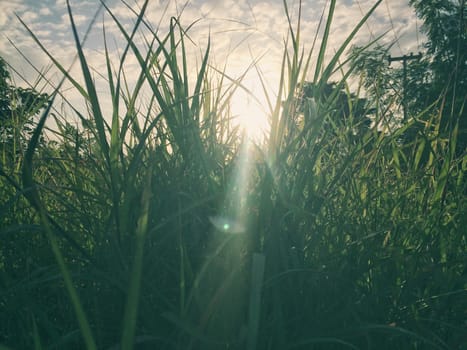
{"points": [[169, 231]]}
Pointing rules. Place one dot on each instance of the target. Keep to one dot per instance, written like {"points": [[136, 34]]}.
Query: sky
{"points": [[241, 32]]}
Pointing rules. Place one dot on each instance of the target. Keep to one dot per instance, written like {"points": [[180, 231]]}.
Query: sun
{"points": [[249, 111]]}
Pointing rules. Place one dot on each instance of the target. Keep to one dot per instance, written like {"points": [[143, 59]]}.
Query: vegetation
{"points": [[161, 226], [436, 82]]}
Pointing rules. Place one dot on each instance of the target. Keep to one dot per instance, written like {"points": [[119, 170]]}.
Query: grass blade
{"points": [[34, 198], [91, 90], [254, 314], [131, 309]]}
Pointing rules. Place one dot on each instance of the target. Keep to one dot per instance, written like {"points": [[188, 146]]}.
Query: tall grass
{"points": [[344, 239]]}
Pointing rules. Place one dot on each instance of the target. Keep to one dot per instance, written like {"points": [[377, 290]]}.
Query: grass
{"points": [[344, 240]]}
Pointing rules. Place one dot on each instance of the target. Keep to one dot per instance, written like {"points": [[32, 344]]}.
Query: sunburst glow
{"points": [[250, 111]]}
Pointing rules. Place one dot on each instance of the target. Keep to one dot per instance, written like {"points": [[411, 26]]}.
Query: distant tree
{"points": [[17, 101], [444, 23], [17, 107], [344, 108], [437, 83]]}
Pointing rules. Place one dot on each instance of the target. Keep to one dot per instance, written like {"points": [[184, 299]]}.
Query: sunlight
{"points": [[250, 112], [233, 216]]}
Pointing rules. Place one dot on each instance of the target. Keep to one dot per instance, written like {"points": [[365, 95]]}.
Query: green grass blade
{"points": [[195, 106], [254, 311], [131, 309], [335, 59], [323, 47], [36, 336], [91, 90], [65, 72], [34, 198]]}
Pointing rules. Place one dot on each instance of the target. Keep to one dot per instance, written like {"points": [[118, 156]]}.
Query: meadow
{"points": [[161, 225]]}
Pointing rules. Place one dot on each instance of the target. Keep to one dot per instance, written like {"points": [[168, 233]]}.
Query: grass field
{"points": [[161, 226]]}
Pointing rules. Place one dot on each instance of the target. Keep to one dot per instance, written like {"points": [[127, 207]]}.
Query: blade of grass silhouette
{"points": [[254, 308], [91, 94], [323, 47], [36, 335], [131, 308], [34, 198], [332, 63]]}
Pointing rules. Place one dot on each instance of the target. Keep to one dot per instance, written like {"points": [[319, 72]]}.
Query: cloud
{"points": [[236, 26], [45, 11], [241, 32]]}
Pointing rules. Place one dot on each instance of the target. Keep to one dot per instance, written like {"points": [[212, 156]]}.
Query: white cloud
{"points": [[45, 11], [241, 30]]}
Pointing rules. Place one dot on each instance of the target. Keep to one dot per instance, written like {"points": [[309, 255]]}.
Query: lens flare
{"points": [[227, 225]]}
